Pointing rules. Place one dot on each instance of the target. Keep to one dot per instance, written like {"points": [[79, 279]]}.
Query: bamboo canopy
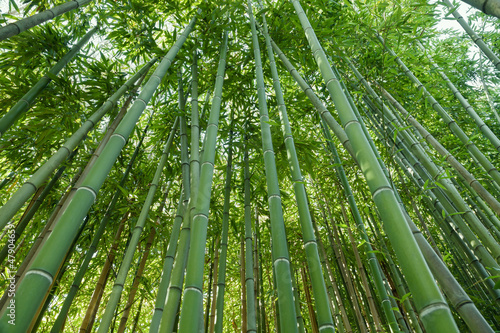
{"points": [[258, 166]]}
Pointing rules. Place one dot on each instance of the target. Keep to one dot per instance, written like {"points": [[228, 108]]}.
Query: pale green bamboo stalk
{"points": [[17, 27], [324, 313], [168, 266], [471, 147], [38, 279], [281, 260], [10, 208], [430, 304], [221, 274], [475, 38], [469, 178], [488, 134], [27, 100], [26, 218], [194, 159], [193, 295]]}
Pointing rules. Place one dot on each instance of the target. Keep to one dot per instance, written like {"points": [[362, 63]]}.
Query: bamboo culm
{"points": [[221, 274], [17, 27], [61, 318]]}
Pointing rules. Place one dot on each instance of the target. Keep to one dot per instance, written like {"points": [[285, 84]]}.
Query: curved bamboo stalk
{"points": [[9, 209], [193, 296], [17, 27], [430, 304], [27, 100], [280, 256], [38, 279]]}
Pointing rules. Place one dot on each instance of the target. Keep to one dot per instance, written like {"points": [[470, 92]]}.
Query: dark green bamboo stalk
{"points": [[221, 274], [38, 279], [281, 261], [193, 295], [17, 27], [27, 100], [9, 209], [430, 304]]}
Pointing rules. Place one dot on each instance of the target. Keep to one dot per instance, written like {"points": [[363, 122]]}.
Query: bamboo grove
{"points": [[265, 166]]}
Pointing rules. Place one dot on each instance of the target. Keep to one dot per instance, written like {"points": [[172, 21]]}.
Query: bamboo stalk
{"points": [[17, 27]]}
